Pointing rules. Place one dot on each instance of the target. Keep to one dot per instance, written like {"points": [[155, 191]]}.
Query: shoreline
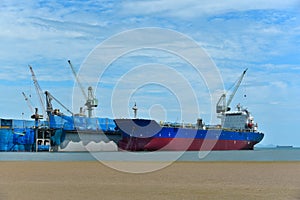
{"points": [[180, 180], [260, 155]]}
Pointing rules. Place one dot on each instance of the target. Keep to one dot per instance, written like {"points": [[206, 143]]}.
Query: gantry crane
{"points": [[91, 101], [222, 104]]}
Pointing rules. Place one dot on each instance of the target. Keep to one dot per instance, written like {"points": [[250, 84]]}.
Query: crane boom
{"points": [[236, 87], [91, 101], [222, 104], [28, 102], [38, 89], [77, 80]]}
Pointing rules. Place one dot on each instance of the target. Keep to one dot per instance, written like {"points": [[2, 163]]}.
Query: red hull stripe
{"points": [[180, 144]]}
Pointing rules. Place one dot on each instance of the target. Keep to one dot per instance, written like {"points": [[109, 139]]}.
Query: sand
{"points": [[181, 180]]}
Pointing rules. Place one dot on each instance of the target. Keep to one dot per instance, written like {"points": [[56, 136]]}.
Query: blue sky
{"points": [[263, 36]]}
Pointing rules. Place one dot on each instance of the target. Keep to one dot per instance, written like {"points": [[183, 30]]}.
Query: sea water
{"points": [[259, 154]]}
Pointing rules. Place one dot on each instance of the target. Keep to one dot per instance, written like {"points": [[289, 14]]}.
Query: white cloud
{"points": [[194, 8]]}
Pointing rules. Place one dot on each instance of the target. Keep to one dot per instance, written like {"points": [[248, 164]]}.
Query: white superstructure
{"points": [[240, 119]]}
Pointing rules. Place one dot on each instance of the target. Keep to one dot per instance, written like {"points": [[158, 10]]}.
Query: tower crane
{"points": [[91, 101], [38, 91], [222, 105]]}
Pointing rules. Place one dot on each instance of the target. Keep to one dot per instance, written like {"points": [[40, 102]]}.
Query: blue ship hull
{"points": [[147, 135]]}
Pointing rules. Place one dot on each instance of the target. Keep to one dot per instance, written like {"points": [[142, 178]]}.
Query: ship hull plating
{"points": [[147, 135]]}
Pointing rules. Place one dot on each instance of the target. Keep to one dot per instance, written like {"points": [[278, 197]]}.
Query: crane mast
{"points": [[222, 104], [135, 109], [91, 101]]}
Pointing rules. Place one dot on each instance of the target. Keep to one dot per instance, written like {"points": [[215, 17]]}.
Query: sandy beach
{"points": [[181, 180]]}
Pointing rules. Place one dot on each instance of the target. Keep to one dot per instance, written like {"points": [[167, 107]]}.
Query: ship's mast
{"points": [[135, 109]]}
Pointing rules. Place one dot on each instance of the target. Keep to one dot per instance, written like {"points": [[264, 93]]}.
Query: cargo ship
{"points": [[237, 131]]}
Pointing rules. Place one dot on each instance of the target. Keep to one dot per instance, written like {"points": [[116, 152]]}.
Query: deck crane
{"points": [[38, 91], [222, 105], [28, 102], [91, 101]]}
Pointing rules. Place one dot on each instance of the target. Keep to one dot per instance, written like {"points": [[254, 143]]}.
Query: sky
{"points": [[263, 36]]}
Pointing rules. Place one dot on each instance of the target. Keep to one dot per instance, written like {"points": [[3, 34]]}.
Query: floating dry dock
{"points": [[28, 135]]}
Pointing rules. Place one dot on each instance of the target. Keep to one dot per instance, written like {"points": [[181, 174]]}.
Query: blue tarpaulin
{"points": [[19, 135], [16, 139], [70, 123]]}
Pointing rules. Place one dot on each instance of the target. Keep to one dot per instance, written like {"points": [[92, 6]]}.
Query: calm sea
{"points": [[259, 154]]}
